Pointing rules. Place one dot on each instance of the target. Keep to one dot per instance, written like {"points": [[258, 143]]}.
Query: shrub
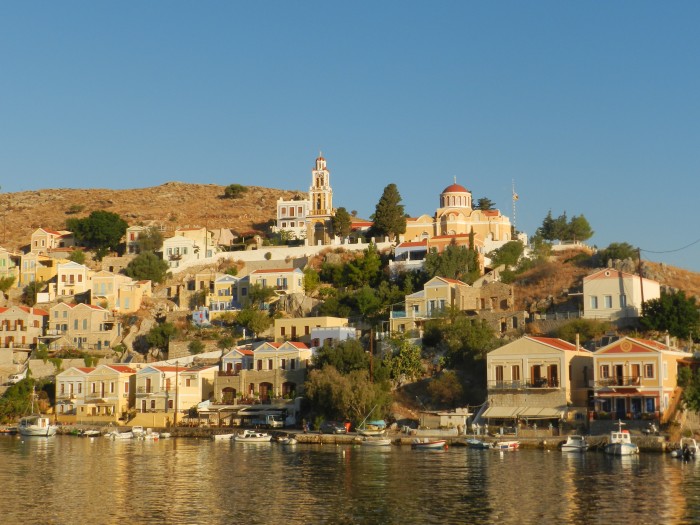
{"points": [[233, 191]]}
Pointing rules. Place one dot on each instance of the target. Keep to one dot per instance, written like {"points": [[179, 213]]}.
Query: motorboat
{"points": [[687, 449], [36, 425], [165, 435], [222, 437], [428, 444], [620, 443], [575, 444], [369, 441], [90, 433], [251, 436], [119, 436], [287, 440], [138, 431], [150, 435], [478, 444], [505, 445]]}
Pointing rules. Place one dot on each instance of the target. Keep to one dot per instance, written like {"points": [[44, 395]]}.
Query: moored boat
{"points": [[505, 445], [575, 444], [118, 436], [428, 444], [369, 441], [687, 449], [222, 437], [478, 444], [36, 425], [620, 443], [251, 436]]}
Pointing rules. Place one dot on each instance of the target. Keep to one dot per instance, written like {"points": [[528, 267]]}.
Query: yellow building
{"points": [[82, 326], [71, 389], [39, 268], [538, 378], [283, 280], [22, 326], [636, 378], [299, 328], [173, 388], [110, 393], [44, 240]]}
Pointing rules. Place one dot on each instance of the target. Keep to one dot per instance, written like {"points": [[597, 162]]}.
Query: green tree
{"points": [[364, 270], [617, 251], [6, 283], [160, 335], [508, 254], [253, 320], [195, 347], [226, 344], [404, 360], [485, 204], [150, 240], [462, 340], [389, 218], [101, 230], [691, 389], [547, 230], [259, 296], [446, 388], [311, 281], [233, 191], [455, 262], [342, 221], [579, 229], [29, 294], [587, 330], [147, 266], [674, 313], [344, 357], [77, 256], [120, 351]]}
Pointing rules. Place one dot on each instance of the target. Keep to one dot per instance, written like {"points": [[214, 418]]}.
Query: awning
{"points": [[501, 412], [539, 413], [522, 412]]}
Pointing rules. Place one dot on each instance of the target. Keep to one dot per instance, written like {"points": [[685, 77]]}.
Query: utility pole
{"points": [[177, 381], [371, 353], [641, 278]]}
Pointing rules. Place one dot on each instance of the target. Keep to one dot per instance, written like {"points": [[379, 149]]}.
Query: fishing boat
{"points": [[91, 432], [505, 445], [119, 436], [478, 444], [251, 436], [575, 444], [371, 428], [620, 443], [222, 437], [687, 449], [36, 424], [428, 444], [369, 441], [150, 435]]}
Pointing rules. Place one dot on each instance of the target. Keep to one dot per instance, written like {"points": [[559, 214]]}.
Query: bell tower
{"points": [[320, 192]]}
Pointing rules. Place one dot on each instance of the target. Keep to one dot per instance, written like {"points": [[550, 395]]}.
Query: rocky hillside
{"points": [[172, 205], [548, 286]]}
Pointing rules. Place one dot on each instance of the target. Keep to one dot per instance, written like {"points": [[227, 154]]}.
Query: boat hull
{"points": [[621, 449], [429, 445], [36, 426], [505, 445]]}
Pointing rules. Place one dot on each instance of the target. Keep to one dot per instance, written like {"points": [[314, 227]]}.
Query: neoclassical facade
{"points": [[309, 219], [456, 216]]}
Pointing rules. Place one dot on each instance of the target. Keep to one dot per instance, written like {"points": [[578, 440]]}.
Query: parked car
{"points": [[333, 427], [16, 378]]}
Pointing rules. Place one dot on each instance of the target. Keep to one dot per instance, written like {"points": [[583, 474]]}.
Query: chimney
{"points": [[578, 343], [668, 341]]}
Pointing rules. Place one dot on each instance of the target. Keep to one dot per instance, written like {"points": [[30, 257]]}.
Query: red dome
{"points": [[455, 188]]}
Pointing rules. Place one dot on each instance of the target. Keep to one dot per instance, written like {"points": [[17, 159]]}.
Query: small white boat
{"points": [[137, 431], [251, 436], [428, 444], [478, 444], [369, 441], [36, 425], [620, 443], [118, 436], [222, 437], [150, 435], [287, 440], [90, 433], [575, 444], [687, 449], [505, 445], [165, 435]]}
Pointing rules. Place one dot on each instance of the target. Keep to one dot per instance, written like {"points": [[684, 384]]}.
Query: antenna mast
{"points": [[515, 198]]}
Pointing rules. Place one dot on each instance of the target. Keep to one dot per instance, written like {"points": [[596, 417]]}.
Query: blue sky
{"points": [[590, 107]]}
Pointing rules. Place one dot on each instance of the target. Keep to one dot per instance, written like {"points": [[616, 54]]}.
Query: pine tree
{"points": [[342, 221], [389, 219]]}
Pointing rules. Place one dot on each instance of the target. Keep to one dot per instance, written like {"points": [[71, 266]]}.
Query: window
{"points": [[84, 324], [259, 364], [292, 364], [283, 364], [170, 403], [649, 371], [299, 210], [111, 387], [623, 301], [188, 382], [153, 404], [650, 404], [283, 210], [594, 302], [126, 387], [608, 301], [80, 388], [499, 373], [269, 364], [515, 372], [75, 324], [604, 371]]}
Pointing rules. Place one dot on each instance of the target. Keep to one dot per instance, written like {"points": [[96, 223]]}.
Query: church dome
{"points": [[455, 188]]}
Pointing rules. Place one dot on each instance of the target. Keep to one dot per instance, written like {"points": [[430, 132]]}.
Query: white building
{"points": [[189, 244], [612, 294]]}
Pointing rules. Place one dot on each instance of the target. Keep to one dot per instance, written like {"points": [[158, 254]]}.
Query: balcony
{"points": [[224, 373], [65, 395], [542, 383], [619, 381]]}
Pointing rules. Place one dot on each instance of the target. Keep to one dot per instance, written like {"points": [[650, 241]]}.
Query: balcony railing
{"points": [[229, 372], [522, 385], [66, 395], [624, 381]]}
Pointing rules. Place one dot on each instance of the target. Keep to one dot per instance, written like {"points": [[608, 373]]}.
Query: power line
{"points": [[672, 251]]}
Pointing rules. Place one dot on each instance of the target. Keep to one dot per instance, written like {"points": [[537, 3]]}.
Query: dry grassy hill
{"points": [[172, 205]]}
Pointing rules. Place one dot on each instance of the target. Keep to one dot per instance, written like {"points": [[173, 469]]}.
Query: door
{"points": [[620, 409]]}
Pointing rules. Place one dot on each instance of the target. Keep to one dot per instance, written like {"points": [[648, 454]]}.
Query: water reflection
{"points": [[68, 479]]}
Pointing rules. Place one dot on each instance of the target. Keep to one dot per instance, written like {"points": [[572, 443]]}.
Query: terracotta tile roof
{"points": [[86, 369], [297, 344], [26, 309], [275, 270], [411, 244], [455, 188], [122, 369]]}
